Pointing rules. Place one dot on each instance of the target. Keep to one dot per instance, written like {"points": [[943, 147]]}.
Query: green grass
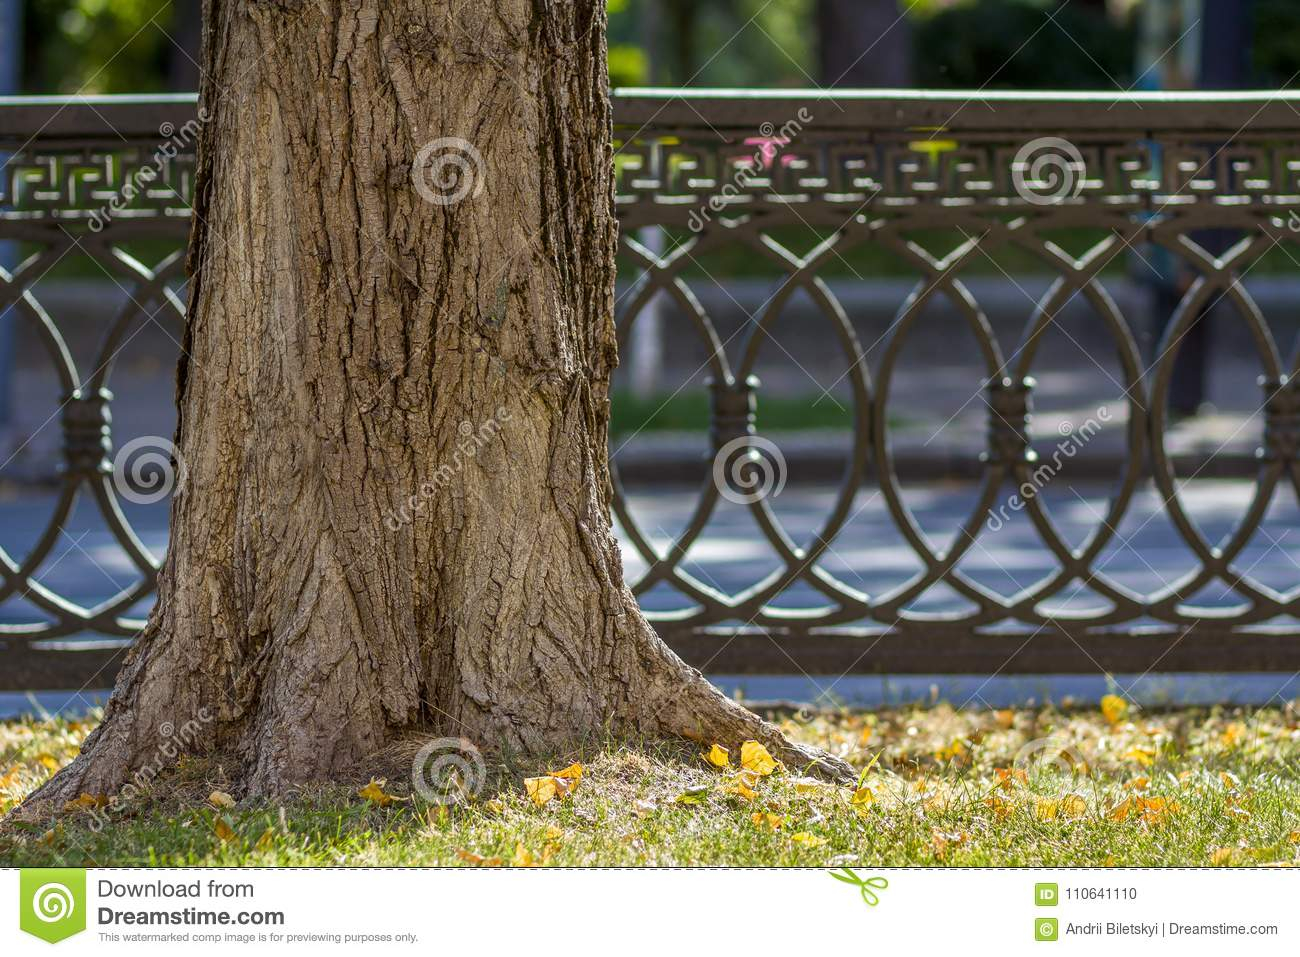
{"points": [[688, 411], [1219, 786]]}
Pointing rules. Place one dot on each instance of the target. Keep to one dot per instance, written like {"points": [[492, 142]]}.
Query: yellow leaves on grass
{"points": [[48, 761], [1137, 784], [1069, 806], [754, 757], [1009, 777], [862, 799], [478, 860], [943, 841], [558, 784], [1114, 708], [1000, 806], [743, 786], [221, 827], [223, 800], [953, 752], [373, 792], [1143, 756], [523, 857], [718, 756], [767, 820], [1152, 811], [1231, 735], [86, 802], [807, 839]]}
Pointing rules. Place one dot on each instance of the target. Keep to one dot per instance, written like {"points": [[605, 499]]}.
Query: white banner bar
{"points": [[575, 912]]}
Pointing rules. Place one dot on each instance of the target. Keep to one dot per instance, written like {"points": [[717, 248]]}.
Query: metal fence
{"points": [[108, 177]]}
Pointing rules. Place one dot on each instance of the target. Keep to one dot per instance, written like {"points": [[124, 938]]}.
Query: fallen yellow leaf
{"points": [[373, 792], [469, 857], [942, 840], [1000, 806], [754, 757], [523, 857], [222, 799], [541, 790], [862, 799], [742, 787], [1143, 756], [1007, 777], [955, 750], [809, 786], [86, 802], [718, 756], [1114, 708], [222, 829], [768, 819], [1137, 784], [572, 773], [807, 839], [1221, 856]]}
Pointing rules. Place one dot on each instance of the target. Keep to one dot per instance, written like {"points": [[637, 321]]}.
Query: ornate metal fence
{"points": [[713, 171]]}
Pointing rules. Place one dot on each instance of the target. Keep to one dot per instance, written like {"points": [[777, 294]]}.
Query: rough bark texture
{"points": [[394, 510]]}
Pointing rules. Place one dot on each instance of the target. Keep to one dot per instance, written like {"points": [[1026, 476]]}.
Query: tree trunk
{"points": [[392, 513]]}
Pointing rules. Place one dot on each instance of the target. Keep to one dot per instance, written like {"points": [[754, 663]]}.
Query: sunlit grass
{"points": [[1178, 787]]}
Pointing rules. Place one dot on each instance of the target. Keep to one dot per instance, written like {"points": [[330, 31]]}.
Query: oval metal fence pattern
{"points": [[717, 172]]}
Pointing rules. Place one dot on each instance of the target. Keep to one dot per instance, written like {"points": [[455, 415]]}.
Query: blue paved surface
{"points": [[88, 566]]}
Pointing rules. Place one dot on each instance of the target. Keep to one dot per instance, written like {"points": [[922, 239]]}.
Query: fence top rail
{"points": [[1230, 112], [139, 115]]}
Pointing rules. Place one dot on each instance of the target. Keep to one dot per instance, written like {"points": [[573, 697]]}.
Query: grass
{"points": [[1178, 787], [689, 411]]}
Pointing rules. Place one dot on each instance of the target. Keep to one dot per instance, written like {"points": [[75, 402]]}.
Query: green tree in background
{"points": [[97, 46], [1022, 45]]}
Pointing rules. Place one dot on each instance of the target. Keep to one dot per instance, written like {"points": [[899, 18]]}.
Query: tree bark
{"points": [[392, 513]]}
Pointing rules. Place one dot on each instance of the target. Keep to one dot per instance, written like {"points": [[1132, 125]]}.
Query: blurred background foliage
{"points": [[115, 46]]}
